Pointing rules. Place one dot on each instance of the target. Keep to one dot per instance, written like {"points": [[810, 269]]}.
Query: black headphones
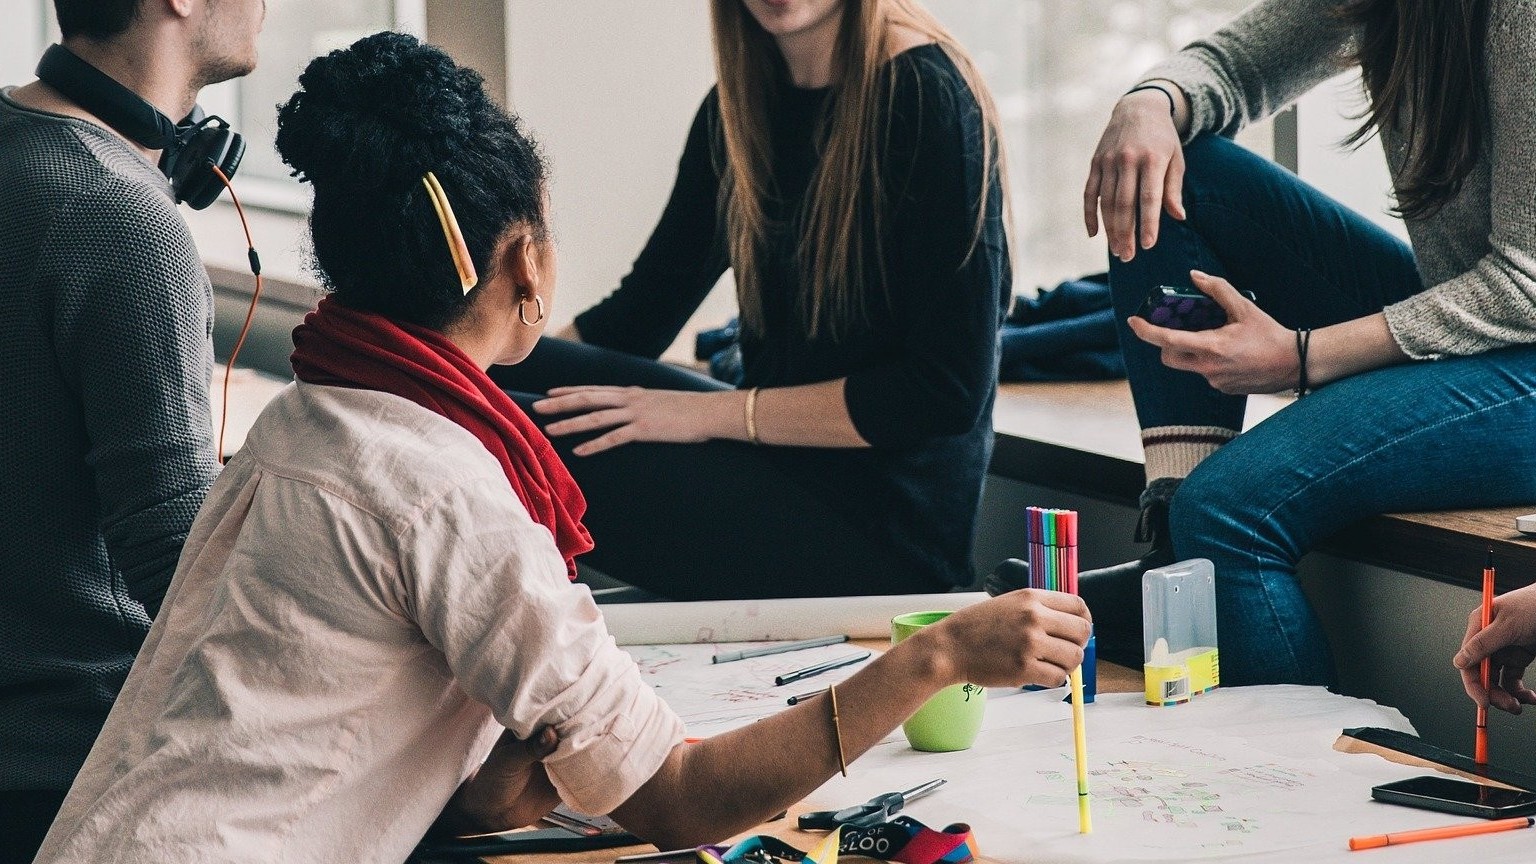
{"points": [[189, 149]]}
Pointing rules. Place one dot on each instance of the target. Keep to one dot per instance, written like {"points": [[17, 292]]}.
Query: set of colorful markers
{"points": [[1052, 549]]}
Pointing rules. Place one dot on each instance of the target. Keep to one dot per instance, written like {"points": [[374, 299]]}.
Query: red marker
{"points": [[1376, 841], [1480, 752]]}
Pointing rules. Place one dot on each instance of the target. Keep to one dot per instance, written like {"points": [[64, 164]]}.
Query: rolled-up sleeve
{"points": [[488, 588]]}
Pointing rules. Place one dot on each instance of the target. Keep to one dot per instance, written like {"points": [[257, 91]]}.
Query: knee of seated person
{"points": [[1208, 505], [1210, 152], [1218, 511], [1212, 161]]}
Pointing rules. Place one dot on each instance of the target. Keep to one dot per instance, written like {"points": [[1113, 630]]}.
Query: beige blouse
{"points": [[362, 606]]}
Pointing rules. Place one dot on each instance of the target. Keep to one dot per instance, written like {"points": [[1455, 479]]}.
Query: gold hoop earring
{"points": [[538, 305]]}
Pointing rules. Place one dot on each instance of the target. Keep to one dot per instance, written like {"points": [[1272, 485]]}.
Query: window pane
{"points": [[295, 32], [1055, 68]]}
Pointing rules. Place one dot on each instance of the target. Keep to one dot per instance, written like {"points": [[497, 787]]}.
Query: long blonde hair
{"points": [[846, 192]]}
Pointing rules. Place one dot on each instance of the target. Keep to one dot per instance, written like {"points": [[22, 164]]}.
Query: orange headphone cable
{"points": [[250, 314]]}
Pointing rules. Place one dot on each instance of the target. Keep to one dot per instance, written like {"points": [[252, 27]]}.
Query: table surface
{"points": [[1112, 679]]}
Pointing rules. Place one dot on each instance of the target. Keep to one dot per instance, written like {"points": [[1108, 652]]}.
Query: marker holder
{"points": [[1178, 604], [1090, 672]]}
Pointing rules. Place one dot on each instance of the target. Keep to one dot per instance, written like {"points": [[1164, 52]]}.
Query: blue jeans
{"points": [[1420, 436]]}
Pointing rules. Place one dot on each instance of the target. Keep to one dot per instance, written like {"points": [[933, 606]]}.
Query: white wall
{"points": [[609, 89], [21, 40], [1358, 177]]}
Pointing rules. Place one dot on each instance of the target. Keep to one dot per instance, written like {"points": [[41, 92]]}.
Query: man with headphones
{"points": [[106, 317]]}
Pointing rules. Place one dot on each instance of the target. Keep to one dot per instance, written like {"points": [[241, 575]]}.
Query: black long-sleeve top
{"points": [[922, 370]]}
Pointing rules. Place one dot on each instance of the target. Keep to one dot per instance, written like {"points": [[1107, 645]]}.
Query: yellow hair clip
{"points": [[468, 278]]}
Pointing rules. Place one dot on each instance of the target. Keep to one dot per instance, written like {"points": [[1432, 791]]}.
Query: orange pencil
{"points": [[1376, 841], [1480, 752]]}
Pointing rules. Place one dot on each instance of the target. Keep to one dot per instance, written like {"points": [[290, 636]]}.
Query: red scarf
{"points": [[343, 347]]}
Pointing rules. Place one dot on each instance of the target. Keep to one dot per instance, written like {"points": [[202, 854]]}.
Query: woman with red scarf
{"points": [[378, 589]]}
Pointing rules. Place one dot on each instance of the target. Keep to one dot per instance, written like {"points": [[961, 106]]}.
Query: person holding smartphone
{"points": [[1419, 354], [847, 169]]}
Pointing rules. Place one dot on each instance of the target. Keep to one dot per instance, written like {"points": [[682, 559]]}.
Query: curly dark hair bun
{"points": [[365, 126], [388, 107]]}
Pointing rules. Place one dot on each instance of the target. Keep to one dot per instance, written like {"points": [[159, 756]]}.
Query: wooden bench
{"points": [[1082, 438]]}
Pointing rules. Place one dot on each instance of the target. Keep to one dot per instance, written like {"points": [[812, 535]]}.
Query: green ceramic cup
{"points": [[951, 719]]}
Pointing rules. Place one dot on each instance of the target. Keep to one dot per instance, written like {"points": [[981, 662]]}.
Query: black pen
{"points": [[796, 700], [819, 668]]}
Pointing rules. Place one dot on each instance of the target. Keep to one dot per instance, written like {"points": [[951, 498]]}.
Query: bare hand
{"points": [[1137, 169], [1251, 353], [510, 790], [632, 414], [1023, 637], [1510, 643]]}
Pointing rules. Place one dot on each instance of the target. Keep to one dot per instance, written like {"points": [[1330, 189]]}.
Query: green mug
{"points": [[951, 719]]}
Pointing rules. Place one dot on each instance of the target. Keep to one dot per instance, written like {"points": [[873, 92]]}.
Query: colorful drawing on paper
{"points": [[1173, 790]]}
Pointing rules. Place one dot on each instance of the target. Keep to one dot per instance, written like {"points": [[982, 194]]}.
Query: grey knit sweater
{"points": [[1477, 255], [105, 430]]}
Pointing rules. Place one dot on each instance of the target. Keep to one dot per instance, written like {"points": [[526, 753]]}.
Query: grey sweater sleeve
{"points": [[1493, 304], [132, 324], [1257, 64]]}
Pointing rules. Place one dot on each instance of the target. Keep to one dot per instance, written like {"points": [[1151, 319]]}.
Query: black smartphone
{"points": [[1462, 797], [1184, 308]]}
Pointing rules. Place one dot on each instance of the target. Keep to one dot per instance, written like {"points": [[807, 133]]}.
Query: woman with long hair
{"points": [[1420, 355], [378, 588], [847, 170]]}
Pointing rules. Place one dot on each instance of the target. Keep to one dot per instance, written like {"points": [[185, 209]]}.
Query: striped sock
{"points": [[1174, 451]]}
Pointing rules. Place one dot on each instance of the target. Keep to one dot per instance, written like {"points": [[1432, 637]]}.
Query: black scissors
{"points": [[872, 812]]}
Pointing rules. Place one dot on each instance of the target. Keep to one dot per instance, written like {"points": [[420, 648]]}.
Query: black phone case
{"points": [[1413, 745], [1183, 309]]}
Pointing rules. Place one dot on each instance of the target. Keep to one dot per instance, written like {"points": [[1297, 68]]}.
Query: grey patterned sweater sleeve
{"points": [[132, 336], [1257, 64], [1492, 304]]}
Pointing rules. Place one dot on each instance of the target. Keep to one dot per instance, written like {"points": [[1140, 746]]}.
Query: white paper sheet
{"points": [[1242, 774], [713, 698], [757, 620]]}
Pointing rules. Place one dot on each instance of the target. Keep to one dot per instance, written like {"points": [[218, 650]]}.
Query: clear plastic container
{"points": [[1178, 608]]}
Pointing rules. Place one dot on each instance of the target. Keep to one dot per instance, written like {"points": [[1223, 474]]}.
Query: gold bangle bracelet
{"points": [[837, 731], [751, 413]]}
